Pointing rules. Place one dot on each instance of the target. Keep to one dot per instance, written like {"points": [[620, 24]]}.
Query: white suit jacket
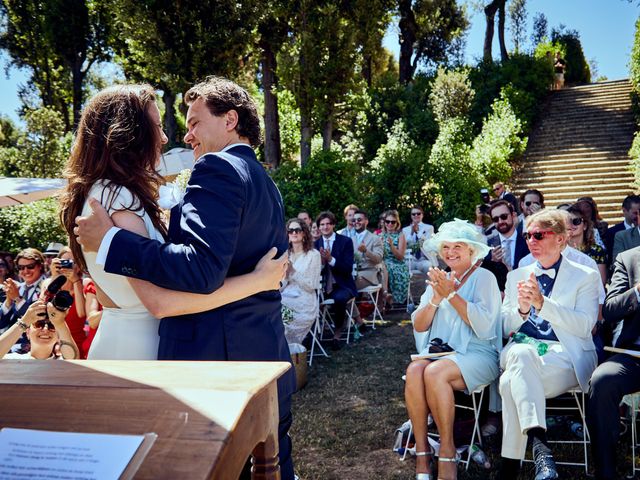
{"points": [[572, 311]]}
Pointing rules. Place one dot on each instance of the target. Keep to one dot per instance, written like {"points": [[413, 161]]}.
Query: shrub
{"points": [[31, 225], [499, 143], [577, 67], [634, 153], [451, 95], [399, 177], [634, 71], [458, 180]]}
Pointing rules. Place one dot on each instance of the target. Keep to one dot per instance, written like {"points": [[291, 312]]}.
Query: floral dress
{"points": [[398, 271]]}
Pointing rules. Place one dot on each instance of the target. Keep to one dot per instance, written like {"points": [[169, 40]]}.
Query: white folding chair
{"points": [[373, 294], [577, 395], [316, 332], [634, 400], [326, 320], [476, 402]]}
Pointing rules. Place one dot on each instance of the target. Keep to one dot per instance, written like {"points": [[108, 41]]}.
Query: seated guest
{"points": [[501, 193], [350, 229], [299, 288], [395, 246], [599, 226], [416, 233], [620, 374], [581, 236], [304, 216], [336, 252], [315, 232], [625, 240], [630, 210], [76, 316], [531, 201], [19, 295], [508, 246], [554, 302], [370, 269], [462, 309], [49, 337]]}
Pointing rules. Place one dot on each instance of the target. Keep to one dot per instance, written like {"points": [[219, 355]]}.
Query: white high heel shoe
{"points": [[424, 476]]}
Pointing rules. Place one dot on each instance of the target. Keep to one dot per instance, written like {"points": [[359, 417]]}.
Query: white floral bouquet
{"points": [[287, 315], [172, 193]]}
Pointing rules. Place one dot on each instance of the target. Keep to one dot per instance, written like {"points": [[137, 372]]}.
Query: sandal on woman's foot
{"points": [[425, 476], [455, 459]]}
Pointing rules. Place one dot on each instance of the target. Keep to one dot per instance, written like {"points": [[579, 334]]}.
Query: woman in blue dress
{"points": [[462, 309]]}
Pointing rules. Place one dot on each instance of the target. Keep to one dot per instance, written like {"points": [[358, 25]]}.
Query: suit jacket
{"points": [[30, 294], [610, 237], [342, 251], [231, 214], [498, 268], [621, 309], [625, 240], [572, 311], [371, 262], [511, 198]]}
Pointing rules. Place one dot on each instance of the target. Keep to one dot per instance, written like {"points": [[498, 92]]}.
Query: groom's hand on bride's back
{"points": [[90, 231]]}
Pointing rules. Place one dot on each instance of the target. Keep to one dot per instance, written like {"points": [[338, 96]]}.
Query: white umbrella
{"points": [[16, 191], [174, 161]]}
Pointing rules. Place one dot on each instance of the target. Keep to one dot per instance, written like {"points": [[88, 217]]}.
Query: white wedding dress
{"points": [[129, 332]]}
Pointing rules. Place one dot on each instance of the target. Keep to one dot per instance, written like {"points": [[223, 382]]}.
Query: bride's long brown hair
{"points": [[118, 143]]}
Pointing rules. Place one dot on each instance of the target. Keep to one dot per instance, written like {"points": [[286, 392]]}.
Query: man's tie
{"points": [[506, 247]]}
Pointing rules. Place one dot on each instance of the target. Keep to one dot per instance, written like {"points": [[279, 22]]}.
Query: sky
{"points": [[606, 29]]}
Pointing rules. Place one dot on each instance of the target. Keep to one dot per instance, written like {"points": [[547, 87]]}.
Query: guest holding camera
{"points": [[460, 312], [48, 334], [553, 306], [302, 281], [63, 264]]}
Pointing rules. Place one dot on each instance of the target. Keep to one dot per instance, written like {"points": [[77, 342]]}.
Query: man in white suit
{"points": [[555, 302]]}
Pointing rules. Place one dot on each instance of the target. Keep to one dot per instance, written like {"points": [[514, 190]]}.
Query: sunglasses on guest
{"points": [[390, 222], [415, 214], [502, 217], [31, 266], [40, 324], [577, 221], [294, 230], [537, 235], [528, 204]]}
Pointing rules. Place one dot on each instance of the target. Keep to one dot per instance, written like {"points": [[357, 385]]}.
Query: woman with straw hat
{"points": [[460, 308]]}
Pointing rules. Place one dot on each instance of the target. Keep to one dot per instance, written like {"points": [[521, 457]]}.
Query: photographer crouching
{"points": [[46, 329]]}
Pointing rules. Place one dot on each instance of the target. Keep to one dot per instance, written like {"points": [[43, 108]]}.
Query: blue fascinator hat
{"points": [[459, 231]]}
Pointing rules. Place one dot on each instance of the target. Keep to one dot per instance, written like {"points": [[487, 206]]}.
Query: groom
{"points": [[231, 214]]}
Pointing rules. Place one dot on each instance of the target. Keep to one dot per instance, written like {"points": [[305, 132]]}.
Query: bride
{"points": [[114, 160]]}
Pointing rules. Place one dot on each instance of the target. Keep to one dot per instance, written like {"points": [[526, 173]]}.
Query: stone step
{"points": [[600, 199], [597, 114], [527, 175], [594, 126], [555, 139], [588, 188], [575, 156]]}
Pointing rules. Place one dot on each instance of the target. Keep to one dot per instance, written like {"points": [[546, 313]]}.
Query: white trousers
{"points": [[528, 380]]}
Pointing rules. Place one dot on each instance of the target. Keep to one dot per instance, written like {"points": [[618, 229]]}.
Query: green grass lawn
{"points": [[346, 416]]}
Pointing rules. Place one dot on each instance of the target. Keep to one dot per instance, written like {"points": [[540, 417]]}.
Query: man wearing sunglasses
{"points": [[416, 233], [20, 295], [508, 246], [500, 192], [555, 302], [531, 201]]}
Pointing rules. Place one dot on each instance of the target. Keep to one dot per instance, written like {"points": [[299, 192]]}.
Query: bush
{"points": [[399, 177], [31, 225], [530, 76], [634, 153], [634, 71], [451, 95], [327, 182], [499, 143], [458, 179]]}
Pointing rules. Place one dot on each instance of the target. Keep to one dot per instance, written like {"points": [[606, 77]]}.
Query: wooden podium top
{"points": [[208, 416]]}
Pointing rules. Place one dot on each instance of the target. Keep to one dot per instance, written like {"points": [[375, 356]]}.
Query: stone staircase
{"points": [[580, 146]]}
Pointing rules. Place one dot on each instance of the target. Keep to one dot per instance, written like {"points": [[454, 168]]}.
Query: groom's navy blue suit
{"points": [[231, 215]]}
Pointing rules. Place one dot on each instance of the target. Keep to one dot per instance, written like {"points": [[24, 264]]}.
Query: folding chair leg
{"points": [[406, 445]]}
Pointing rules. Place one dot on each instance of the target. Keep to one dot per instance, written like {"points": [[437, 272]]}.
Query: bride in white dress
{"points": [[114, 160]]}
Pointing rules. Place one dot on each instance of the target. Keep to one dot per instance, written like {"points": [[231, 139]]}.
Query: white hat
{"points": [[53, 249], [459, 231]]}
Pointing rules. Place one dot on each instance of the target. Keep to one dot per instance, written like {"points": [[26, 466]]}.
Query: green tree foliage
{"points": [[529, 77], [9, 133], [428, 29], [499, 142], [58, 41], [634, 153], [451, 95], [517, 12], [458, 178], [30, 225], [634, 71], [399, 177], [327, 181], [577, 68], [41, 151], [540, 26]]}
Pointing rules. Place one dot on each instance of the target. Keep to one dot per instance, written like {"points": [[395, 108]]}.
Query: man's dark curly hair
{"points": [[222, 95]]}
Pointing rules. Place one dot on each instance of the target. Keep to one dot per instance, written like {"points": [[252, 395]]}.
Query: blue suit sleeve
{"points": [[344, 261], [210, 221]]}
